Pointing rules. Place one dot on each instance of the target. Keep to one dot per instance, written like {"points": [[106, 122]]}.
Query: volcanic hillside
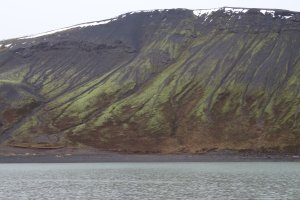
{"points": [[157, 81]]}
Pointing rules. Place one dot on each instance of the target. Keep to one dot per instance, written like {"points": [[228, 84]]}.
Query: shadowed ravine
{"points": [[157, 82]]}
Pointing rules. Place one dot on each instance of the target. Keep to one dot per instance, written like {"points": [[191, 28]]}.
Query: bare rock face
{"points": [[157, 81]]}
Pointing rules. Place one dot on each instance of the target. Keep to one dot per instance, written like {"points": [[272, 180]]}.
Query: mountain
{"points": [[165, 81]]}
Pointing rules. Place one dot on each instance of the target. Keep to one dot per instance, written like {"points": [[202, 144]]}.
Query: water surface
{"points": [[228, 180]]}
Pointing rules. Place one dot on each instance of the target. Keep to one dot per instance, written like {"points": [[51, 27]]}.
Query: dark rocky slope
{"points": [[157, 81]]}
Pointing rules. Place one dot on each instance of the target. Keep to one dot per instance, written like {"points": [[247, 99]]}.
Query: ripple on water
{"points": [[228, 180]]}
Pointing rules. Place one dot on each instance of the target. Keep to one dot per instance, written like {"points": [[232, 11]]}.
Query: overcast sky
{"points": [[25, 17]]}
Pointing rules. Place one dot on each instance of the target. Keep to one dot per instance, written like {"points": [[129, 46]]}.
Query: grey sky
{"points": [[25, 17]]}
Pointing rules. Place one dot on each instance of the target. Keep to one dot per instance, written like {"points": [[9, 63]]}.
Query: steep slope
{"points": [[157, 81]]}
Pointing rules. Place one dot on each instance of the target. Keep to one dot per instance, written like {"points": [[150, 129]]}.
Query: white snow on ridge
{"points": [[70, 27], [268, 12], [204, 11], [236, 10], [94, 23], [207, 12], [272, 13], [147, 11], [5, 45], [228, 10], [198, 12], [45, 33], [141, 11]]}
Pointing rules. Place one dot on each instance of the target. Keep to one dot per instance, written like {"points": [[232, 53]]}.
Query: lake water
{"points": [[228, 180]]}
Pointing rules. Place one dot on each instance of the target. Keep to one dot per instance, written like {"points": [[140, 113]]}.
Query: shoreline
{"points": [[85, 155], [142, 158]]}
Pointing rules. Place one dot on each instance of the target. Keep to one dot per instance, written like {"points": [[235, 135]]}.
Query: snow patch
{"points": [[263, 12], [147, 11], [95, 23], [122, 16], [268, 12], [286, 17], [228, 10], [272, 13], [235, 10], [206, 12], [6, 46]]}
